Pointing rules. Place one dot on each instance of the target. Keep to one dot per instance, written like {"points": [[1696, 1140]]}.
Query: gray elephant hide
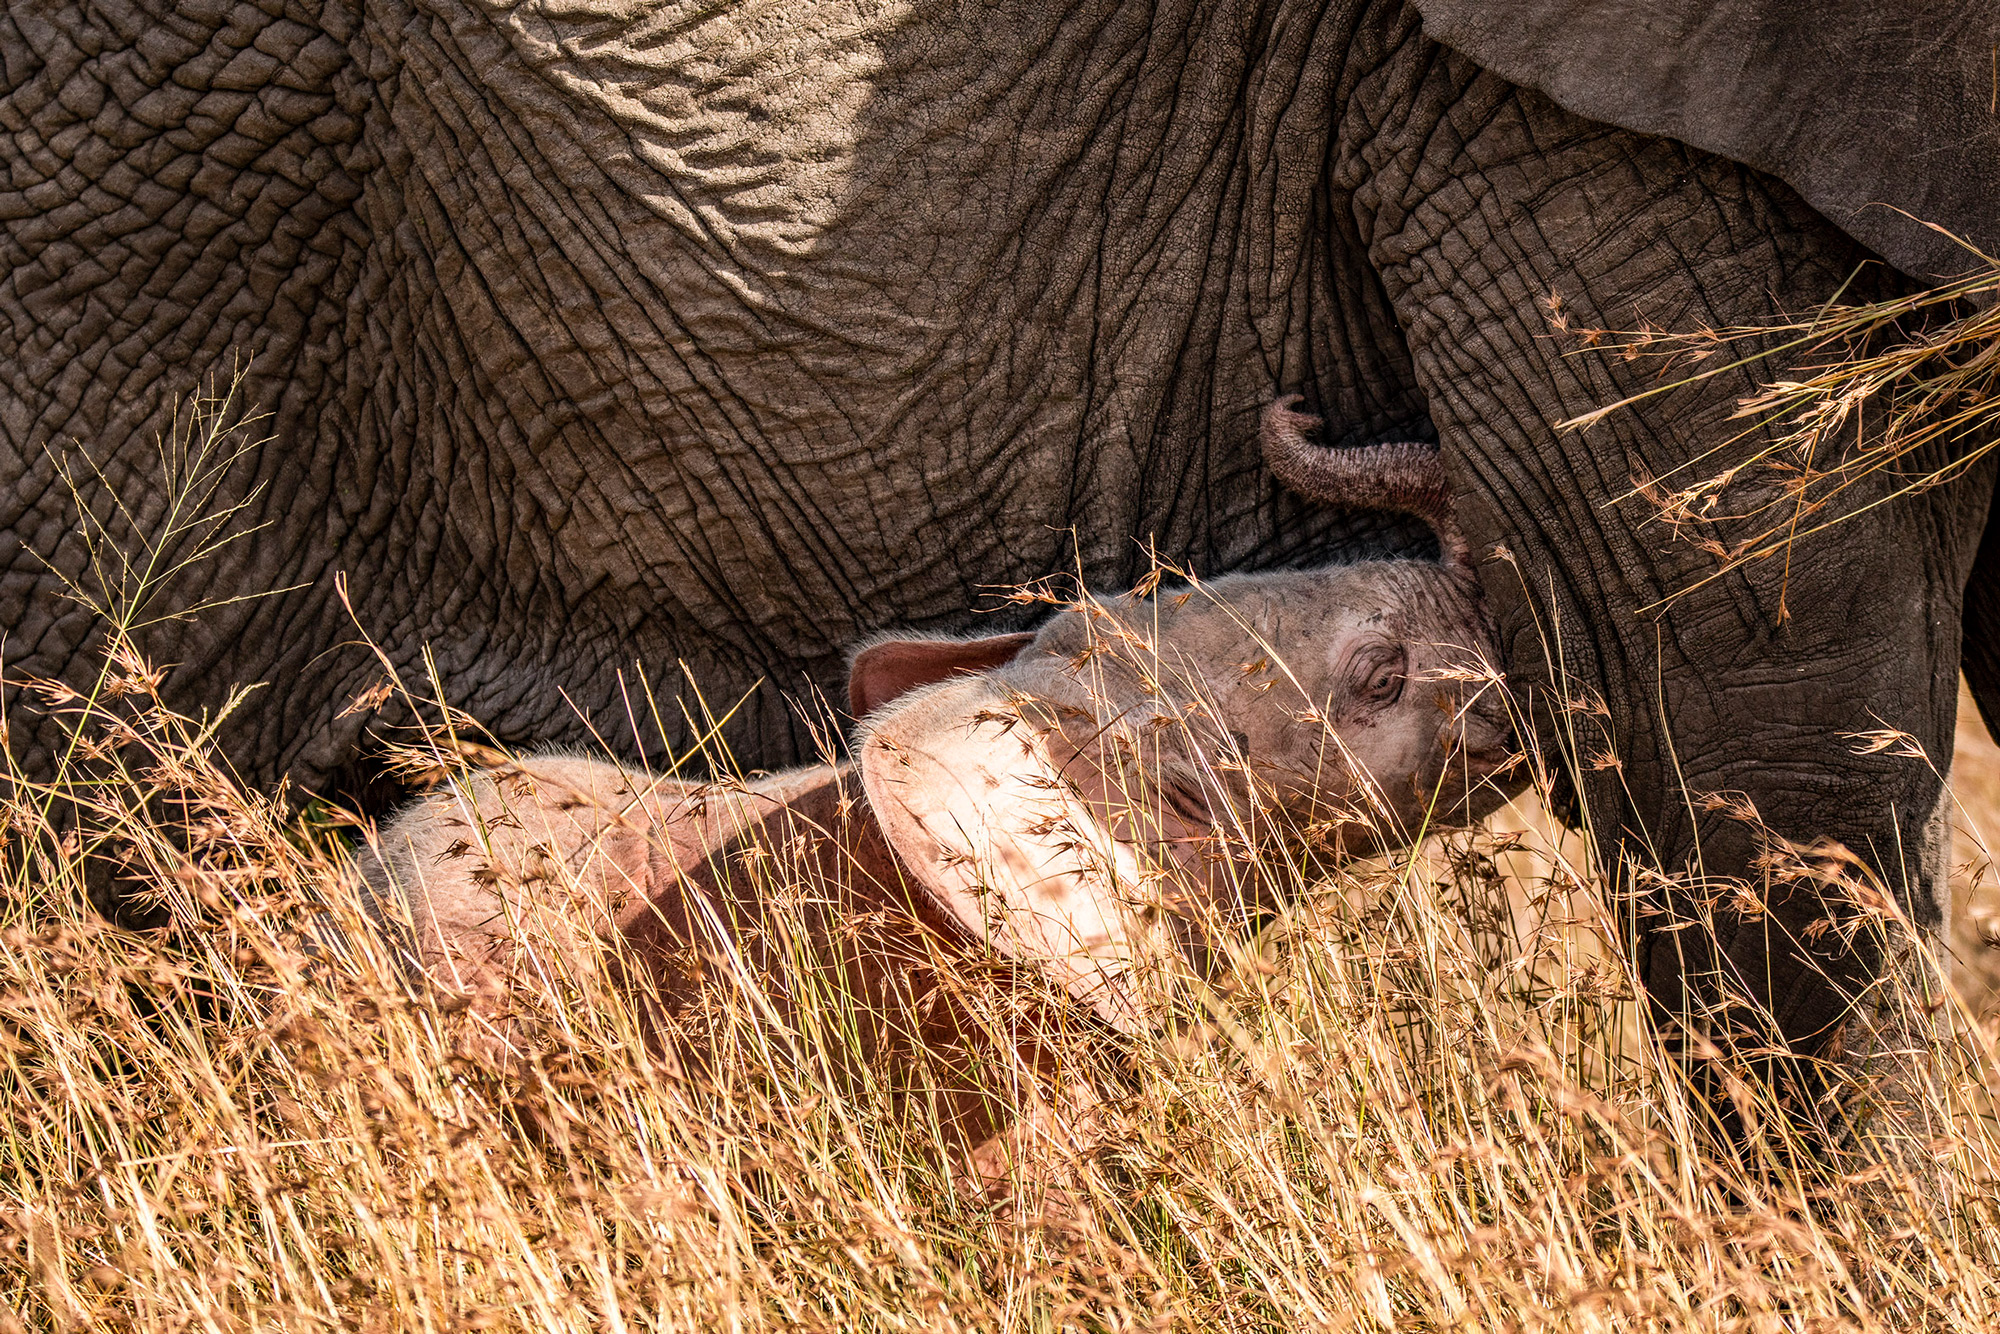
{"points": [[1884, 117]]}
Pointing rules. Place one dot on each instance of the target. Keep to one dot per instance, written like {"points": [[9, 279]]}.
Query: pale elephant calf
{"points": [[1077, 800]]}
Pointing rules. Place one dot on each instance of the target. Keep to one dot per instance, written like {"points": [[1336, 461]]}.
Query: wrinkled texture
{"points": [[599, 340], [1884, 117]]}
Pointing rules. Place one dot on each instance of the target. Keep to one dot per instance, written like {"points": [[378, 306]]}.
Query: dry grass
{"points": [[1426, 1100], [1902, 394]]}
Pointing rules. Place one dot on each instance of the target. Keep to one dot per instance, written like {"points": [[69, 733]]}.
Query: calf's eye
{"points": [[1380, 677]]}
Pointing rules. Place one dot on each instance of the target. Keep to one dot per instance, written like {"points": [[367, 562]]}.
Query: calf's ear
{"points": [[973, 797], [889, 668]]}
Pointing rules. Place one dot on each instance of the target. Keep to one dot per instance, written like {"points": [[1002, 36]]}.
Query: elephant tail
{"points": [[1404, 476]]}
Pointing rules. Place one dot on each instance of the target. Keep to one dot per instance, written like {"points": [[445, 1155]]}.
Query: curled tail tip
{"points": [[1398, 475], [1280, 416]]}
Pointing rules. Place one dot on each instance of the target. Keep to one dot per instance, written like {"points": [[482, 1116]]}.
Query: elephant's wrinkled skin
{"points": [[602, 334]]}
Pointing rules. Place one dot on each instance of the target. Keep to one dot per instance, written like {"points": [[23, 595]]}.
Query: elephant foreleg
{"points": [[1688, 696]]}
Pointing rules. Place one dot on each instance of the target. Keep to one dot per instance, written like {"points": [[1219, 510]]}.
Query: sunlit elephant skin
{"points": [[596, 336]]}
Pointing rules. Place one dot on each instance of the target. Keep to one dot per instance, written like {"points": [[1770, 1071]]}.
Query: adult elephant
{"points": [[597, 337]]}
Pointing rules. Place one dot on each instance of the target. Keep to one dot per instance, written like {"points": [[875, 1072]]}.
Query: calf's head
{"points": [[1086, 795]]}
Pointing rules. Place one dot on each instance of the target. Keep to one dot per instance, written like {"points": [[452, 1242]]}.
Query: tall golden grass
{"points": [[1427, 1099]]}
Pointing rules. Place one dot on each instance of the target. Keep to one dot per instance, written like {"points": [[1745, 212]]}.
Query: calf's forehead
{"points": [[1302, 616], [1304, 610]]}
